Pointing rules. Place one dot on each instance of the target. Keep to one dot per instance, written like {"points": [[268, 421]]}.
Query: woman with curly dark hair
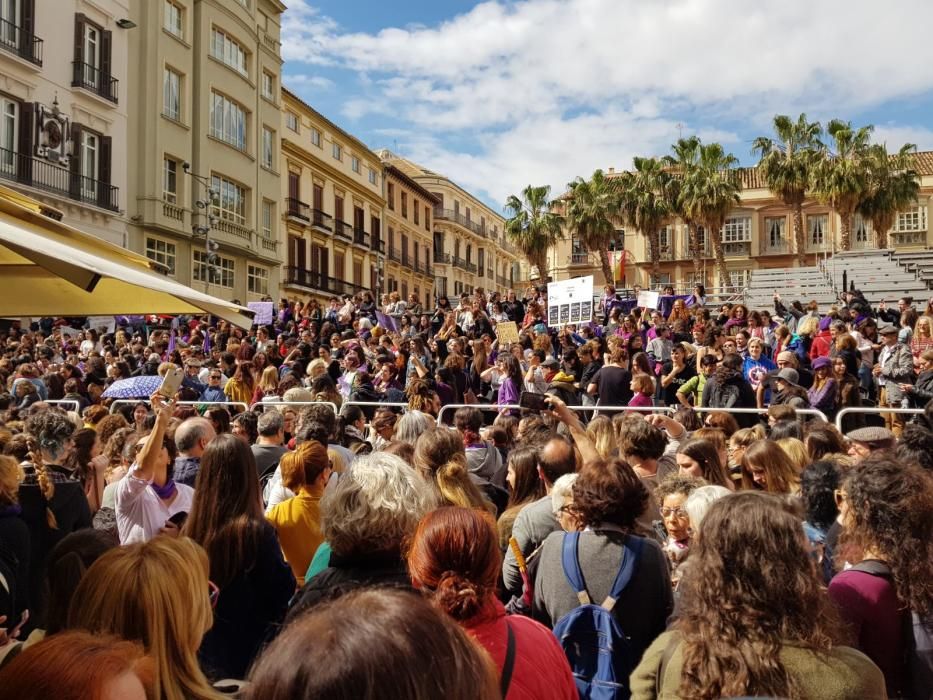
{"points": [[885, 509], [754, 620], [608, 500]]}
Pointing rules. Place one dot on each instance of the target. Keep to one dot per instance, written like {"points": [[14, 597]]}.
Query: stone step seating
{"points": [[792, 283], [919, 262], [876, 274]]}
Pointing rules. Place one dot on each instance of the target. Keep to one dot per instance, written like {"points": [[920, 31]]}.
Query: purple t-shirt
{"points": [[869, 604]]}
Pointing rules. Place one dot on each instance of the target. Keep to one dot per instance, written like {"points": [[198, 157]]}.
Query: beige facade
{"points": [[204, 152], [470, 250], [332, 203], [63, 108], [409, 237], [757, 235]]}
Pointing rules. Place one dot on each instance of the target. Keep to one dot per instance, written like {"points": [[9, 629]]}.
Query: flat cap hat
{"points": [[887, 329], [870, 434]]}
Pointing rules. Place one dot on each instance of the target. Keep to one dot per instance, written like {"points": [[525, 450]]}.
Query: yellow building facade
{"points": [[203, 153], [757, 235], [64, 106], [332, 205], [469, 246], [409, 216]]}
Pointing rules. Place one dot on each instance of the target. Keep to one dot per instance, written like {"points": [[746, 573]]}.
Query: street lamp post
{"points": [[200, 229]]}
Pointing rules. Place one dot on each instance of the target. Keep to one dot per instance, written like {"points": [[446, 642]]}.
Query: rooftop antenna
{"points": [[680, 131]]}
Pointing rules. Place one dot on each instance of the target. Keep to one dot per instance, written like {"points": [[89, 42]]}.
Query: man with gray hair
{"points": [[268, 449], [191, 439]]}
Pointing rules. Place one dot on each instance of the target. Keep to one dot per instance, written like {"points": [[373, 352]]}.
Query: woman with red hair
{"points": [[455, 559]]}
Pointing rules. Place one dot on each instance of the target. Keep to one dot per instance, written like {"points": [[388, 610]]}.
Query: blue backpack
{"points": [[600, 655]]}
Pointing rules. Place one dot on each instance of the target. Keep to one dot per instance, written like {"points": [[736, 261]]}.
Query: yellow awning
{"points": [[51, 269]]}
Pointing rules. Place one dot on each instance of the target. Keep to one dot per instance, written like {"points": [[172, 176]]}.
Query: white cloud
{"points": [[299, 80], [896, 136], [548, 89]]}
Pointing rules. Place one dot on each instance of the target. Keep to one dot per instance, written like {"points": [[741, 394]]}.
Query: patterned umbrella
{"points": [[134, 388]]}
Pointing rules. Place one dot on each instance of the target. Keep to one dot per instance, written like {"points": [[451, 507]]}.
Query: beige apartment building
{"points": [[409, 237], [757, 235], [470, 249], [205, 171], [332, 202], [63, 108]]}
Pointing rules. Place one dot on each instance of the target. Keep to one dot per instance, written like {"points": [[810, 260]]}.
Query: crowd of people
{"points": [[378, 500]]}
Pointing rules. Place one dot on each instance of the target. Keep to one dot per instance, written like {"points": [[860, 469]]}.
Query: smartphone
{"points": [[171, 382], [179, 518], [534, 401]]}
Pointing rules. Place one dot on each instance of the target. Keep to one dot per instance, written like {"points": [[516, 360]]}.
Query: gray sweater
{"points": [[532, 526], [642, 609]]}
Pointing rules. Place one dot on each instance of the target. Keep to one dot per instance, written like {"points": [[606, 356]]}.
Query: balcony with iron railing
{"points": [[343, 229], [489, 273], [322, 221], [900, 239], [458, 218], [395, 254], [296, 209], [379, 245], [471, 267], [312, 279], [737, 249], [424, 267], [441, 258], [775, 246], [502, 281], [360, 237], [460, 262], [42, 175], [406, 259], [93, 79], [19, 42], [578, 259], [480, 271]]}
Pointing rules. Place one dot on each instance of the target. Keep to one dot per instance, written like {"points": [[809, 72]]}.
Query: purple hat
{"points": [[824, 323], [822, 362]]}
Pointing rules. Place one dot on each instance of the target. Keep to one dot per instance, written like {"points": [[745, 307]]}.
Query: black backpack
{"points": [[724, 395]]}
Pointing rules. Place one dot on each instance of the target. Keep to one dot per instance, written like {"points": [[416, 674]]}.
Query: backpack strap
{"points": [[875, 567], [571, 565], [631, 553], [505, 680]]}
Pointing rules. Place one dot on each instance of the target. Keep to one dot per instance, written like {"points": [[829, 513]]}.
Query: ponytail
{"points": [[46, 484], [459, 597], [456, 488]]}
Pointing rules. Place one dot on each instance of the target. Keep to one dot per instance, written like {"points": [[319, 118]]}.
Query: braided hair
{"points": [[47, 431], [46, 485]]}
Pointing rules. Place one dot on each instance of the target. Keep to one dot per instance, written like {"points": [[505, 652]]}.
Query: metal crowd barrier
{"points": [[264, 404], [486, 407], [73, 402], [759, 411], [880, 410], [245, 406], [377, 404]]}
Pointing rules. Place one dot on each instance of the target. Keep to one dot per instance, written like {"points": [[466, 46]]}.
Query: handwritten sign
{"points": [[264, 310], [507, 333], [648, 300]]}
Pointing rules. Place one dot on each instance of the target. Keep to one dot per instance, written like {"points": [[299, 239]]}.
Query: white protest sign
{"points": [[264, 311], [108, 323], [648, 300], [570, 301]]}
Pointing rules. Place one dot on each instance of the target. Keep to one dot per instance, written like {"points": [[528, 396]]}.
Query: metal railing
{"points": [[780, 247], [515, 406], [378, 245], [297, 209], [322, 220], [442, 258], [343, 229], [880, 410], [318, 280], [119, 402], [578, 259], [457, 217], [394, 254], [92, 78], [759, 411], [267, 404], [21, 43], [360, 237], [56, 402], [43, 175]]}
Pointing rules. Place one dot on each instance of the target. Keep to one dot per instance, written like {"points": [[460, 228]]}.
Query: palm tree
{"points": [[533, 226], [893, 185], [710, 193], [592, 208], [786, 165], [682, 163], [646, 204], [840, 178]]}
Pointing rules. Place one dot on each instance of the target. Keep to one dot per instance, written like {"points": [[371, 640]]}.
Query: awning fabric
{"points": [[48, 268]]}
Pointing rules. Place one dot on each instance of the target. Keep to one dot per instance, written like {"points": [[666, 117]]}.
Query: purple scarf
{"points": [[166, 491]]}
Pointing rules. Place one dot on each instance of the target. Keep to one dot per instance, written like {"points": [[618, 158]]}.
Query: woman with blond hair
{"points": [[922, 339], [767, 467], [156, 593], [268, 384], [600, 431], [441, 459]]}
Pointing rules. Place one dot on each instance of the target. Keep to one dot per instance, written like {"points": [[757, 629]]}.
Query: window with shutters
{"points": [[92, 59], [228, 121], [228, 51], [90, 162], [171, 94]]}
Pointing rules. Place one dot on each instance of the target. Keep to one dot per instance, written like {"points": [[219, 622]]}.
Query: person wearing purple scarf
{"points": [[147, 498]]}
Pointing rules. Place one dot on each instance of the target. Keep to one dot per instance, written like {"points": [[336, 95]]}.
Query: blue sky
{"points": [[499, 95]]}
